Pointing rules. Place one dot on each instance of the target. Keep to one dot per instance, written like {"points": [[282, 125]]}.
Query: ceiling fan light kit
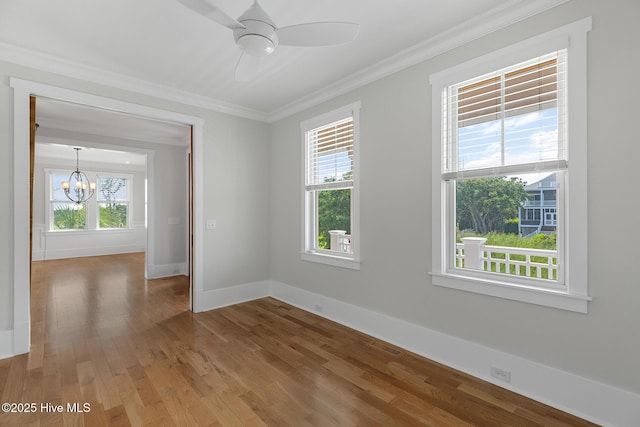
{"points": [[257, 35]]}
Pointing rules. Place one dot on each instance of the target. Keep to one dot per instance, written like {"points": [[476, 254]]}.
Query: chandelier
{"points": [[78, 189]]}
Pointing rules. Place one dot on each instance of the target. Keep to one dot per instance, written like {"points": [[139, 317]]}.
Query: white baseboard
{"points": [[41, 255], [22, 337], [583, 397], [166, 270], [6, 344], [15, 341], [224, 297]]}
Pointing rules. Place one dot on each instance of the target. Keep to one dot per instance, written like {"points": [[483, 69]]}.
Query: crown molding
{"points": [[44, 62], [495, 19], [492, 20]]}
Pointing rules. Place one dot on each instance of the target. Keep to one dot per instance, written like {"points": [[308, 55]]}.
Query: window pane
{"points": [[531, 137], [330, 152], [112, 215], [112, 189], [334, 220], [528, 138], [57, 193], [69, 216], [507, 225]]}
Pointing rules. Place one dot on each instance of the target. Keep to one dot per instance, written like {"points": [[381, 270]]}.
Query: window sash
{"points": [[329, 154], [121, 195], [534, 85], [509, 93], [105, 204], [54, 206]]}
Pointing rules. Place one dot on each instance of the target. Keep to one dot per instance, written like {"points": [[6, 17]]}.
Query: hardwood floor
{"points": [[132, 351]]}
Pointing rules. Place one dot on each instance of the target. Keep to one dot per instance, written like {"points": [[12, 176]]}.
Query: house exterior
{"points": [[538, 214]]}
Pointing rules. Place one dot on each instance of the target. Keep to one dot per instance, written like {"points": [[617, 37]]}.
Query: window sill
{"points": [[329, 259], [539, 296], [88, 232]]}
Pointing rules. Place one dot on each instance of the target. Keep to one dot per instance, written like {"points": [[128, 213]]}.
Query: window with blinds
{"points": [[329, 160], [503, 127], [330, 186], [505, 137], [509, 121]]}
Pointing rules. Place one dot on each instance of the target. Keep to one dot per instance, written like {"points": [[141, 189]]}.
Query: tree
{"points": [[66, 217], [334, 211], [486, 204], [109, 187]]}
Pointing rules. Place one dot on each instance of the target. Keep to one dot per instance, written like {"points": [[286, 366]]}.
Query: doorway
{"points": [[23, 90]]}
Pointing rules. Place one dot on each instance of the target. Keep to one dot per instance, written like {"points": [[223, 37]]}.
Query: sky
{"points": [[528, 138]]}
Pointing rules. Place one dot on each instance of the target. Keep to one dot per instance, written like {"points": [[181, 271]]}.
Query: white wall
{"points": [[603, 345]]}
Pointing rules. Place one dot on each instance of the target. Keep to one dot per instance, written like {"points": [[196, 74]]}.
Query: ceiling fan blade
{"points": [[248, 68], [203, 7], [318, 34]]}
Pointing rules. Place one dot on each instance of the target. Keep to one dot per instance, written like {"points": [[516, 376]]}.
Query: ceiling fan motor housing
{"points": [[258, 37]]}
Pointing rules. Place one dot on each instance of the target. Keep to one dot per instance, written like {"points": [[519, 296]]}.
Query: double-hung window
{"points": [[331, 229], [509, 172], [109, 208]]}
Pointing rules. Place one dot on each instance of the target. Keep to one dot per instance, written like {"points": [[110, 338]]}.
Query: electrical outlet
{"points": [[501, 374]]}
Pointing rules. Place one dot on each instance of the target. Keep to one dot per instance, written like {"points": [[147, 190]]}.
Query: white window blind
{"points": [[508, 121], [329, 157]]}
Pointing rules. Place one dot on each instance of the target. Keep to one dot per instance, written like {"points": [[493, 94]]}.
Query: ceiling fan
{"points": [[257, 35]]}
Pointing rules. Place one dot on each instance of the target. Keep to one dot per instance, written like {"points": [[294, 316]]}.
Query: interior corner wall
{"points": [[395, 147]]}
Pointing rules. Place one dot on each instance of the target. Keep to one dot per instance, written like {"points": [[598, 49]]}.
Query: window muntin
{"points": [[330, 187]]}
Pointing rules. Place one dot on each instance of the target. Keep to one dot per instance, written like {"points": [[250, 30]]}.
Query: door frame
{"points": [[22, 90]]}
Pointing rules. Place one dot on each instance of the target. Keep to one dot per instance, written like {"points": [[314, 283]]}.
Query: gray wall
{"points": [[396, 209]]}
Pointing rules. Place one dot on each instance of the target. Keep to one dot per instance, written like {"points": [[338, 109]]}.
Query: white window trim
{"points": [[574, 296], [92, 220], [308, 253]]}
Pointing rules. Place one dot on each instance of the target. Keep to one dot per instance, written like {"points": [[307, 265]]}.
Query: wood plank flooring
{"points": [[132, 351]]}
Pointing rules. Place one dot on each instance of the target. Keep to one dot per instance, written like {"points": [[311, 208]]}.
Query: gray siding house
{"points": [[538, 214]]}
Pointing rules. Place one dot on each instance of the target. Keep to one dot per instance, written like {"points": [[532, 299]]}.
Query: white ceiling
{"points": [[160, 47], [65, 155], [102, 134]]}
